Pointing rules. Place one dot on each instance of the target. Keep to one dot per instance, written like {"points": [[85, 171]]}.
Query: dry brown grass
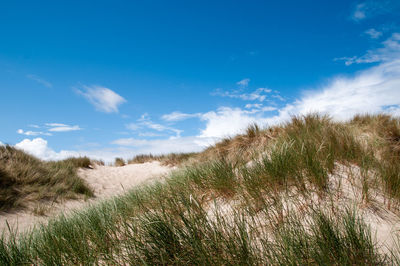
{"points": [[119, 162], [25, 179]]}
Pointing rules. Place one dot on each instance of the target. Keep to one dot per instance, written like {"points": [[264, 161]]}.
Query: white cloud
{"points": [[359, 12], [38, 147], [130, 142], [145, 122], [373, 33], [277, 96], [243, 83], [103, 99], [257, 107], [372, 8], [160, 146], [178, 116], [149, 134], [268, 108], [39, 80], [253, 105], [133, 126], [64, 128], [257, 95], [2, 144], [56, 125], [228, 121], [50, 127], [32, 133], [373, 90], [389, 51]]}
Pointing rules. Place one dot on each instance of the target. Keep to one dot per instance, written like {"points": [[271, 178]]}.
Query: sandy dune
{"points": [[107, 181]]}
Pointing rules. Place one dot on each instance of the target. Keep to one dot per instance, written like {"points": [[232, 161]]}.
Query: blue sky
{"points": [[118, 78]]}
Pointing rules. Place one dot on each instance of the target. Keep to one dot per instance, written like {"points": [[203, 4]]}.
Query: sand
{"points": [[107, 181]]}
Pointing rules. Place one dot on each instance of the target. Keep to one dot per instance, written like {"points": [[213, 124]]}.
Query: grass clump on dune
{"points": [[171, 159], [25, 179], [119, 162]]}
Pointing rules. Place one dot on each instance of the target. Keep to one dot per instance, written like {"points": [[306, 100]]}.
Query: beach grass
{"points": [[265, 197]]}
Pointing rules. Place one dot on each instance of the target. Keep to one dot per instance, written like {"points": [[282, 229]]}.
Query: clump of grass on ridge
{"points": [[25, 179], [171, 159], [119, 162]]}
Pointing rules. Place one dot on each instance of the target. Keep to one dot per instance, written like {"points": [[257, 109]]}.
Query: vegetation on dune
{"points": [[263, 197], [171, 159], [25, 179], [119, 162]]}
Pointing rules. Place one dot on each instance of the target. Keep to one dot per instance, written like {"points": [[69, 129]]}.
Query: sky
{"points": [[110, 79]]}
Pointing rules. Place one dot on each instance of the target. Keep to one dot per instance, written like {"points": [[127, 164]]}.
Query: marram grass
{"points": [[232, 210]]}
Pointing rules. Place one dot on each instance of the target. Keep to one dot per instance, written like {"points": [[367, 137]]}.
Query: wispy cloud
{"points": [[47, 128], [56, 125], [103, 99], [145, 122], [373, 33], [389, 51], [162, 146], [253, 105], [243, 83], [33, 133], [40, 80], [130, 142], [359, 12], [179, 116], [257, 95], [372, 8], [62, 127]]}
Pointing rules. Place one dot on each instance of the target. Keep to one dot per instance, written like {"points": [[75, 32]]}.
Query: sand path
{"points": [[107, 181]]}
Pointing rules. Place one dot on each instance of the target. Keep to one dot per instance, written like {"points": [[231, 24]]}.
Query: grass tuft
{"points": [[25, 179], [119, 162], [171, 159]]}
